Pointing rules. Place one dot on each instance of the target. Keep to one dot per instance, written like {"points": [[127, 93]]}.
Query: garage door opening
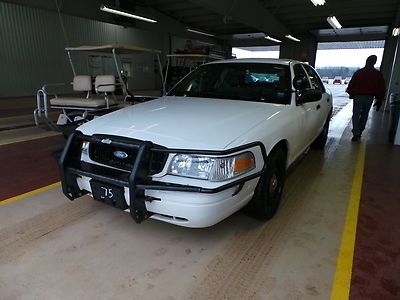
{"points": [[256, 52], [344, 58], [336, 63]]}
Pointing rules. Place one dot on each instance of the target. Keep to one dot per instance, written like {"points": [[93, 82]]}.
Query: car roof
{"points": [[280, 61]]}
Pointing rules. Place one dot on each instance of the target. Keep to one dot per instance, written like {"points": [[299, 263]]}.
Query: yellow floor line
{"points": [[29, 138], [342, 280], [31, 193]]}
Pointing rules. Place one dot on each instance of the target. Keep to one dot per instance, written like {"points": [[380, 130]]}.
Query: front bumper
{"points": [[138, 184]]}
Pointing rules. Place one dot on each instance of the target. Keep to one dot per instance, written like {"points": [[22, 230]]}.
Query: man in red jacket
{"points": [[365, 84]]}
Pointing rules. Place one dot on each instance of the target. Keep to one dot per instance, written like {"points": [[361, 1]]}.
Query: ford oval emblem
{"points": [[120, 154]]}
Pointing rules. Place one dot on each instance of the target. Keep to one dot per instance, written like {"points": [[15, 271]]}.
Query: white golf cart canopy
{"points": [[116, 50]]}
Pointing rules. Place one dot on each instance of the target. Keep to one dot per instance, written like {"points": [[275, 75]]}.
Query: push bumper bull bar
{"points": [[138, 179]]}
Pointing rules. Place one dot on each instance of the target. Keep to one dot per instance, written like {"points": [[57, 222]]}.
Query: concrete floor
{"points": [[51, 248]]}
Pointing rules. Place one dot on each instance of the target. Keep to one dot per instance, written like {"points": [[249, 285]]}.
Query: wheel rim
{"points": [[273, 184], [274, 190]]}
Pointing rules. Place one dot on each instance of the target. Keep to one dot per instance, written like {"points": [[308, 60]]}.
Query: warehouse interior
{"points": [[335, 235]]}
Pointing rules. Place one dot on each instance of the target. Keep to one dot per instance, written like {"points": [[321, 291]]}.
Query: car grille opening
{"points": [[123, 158], [172, 218]]}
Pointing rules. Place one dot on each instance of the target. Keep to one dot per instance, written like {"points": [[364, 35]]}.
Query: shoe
{"points": [[356, 138]]}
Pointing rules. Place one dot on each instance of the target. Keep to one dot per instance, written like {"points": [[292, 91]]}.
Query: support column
{"points": [[394, 80], [394, 84], [391, 67], [305, 50], [388, 58]]}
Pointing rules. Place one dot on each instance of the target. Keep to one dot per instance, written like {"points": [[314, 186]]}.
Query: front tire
{"points": [[268, 192]]}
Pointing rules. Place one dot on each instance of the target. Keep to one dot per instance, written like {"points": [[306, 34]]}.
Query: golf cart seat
{"points": [[83, 83], [80, 103]]}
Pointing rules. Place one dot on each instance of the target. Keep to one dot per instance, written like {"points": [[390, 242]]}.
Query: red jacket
{"points": [[367, 81]]}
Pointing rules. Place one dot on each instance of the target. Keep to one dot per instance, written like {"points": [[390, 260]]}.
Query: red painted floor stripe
{"points": [[376, 266], [29, 165]]}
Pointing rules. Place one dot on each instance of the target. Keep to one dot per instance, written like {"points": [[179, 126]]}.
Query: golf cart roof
{"points": [[196, 56], [119, 49]]}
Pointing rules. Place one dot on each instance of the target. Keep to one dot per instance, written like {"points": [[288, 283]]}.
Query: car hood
{"points": [[184, 122]]}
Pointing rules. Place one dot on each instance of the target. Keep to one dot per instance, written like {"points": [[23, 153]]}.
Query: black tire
{"points": [[320, 141], [268, 192]]}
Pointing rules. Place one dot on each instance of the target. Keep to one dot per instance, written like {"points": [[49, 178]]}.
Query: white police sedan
{"points": [[220, 140]]}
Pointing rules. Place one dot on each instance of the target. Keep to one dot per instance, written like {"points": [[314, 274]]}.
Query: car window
{"points": [[260, 82], [314, 78], [299, 72]]}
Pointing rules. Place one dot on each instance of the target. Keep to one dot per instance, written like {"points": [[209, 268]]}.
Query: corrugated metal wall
{"points": [[32, 48]]}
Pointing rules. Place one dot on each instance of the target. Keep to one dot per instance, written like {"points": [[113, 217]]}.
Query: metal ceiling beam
{"points": [[217, 23], [344, 16], [383, 20], [191, 13], [252, 43], [176, 6], [282, 4], [352, 38], [249, 12], [219, 28], [301, 26], [202, 19], [168, 25]]}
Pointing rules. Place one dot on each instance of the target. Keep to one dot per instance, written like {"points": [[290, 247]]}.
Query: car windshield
{"points": [[259, 82]]}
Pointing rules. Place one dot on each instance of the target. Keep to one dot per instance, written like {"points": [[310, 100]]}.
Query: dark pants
{"points": [[361, 106]]}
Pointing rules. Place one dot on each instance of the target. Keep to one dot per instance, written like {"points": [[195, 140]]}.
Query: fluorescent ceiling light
{"points": [[272, 39], [292, 38], [318, 2], [125, 14], [199, 32], [334, 22], [396, 31]]}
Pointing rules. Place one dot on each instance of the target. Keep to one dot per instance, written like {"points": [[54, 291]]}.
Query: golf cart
{"points": [[94, 94]]}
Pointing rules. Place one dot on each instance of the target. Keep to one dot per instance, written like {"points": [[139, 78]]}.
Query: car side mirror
{"points": [[299, 83], [309, 95]]}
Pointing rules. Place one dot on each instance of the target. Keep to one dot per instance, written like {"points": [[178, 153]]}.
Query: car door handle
{"points": [[318, 106]]}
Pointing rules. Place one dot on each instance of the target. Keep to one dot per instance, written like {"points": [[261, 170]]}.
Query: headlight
{"points": [[211, 168]]}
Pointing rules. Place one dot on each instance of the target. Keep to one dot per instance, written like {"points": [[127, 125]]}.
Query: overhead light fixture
{"points": [[273, 39], [199, 32], [334, 22], [125, 14], [290, 37], [396, 31], [318, 2]]}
